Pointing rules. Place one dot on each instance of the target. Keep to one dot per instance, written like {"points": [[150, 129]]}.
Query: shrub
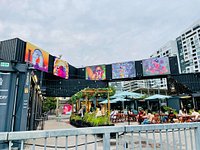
{"points": [[91, 119]]}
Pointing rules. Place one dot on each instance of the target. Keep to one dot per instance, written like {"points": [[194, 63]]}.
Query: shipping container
{"points": [[12, 50], [64, 88], [81, 73], [138, 67], [51, 63], [73, 72], [108, 72], [190, 80], [173, 62]]}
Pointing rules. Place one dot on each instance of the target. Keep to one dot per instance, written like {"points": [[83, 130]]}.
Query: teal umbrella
{"points": [[120, 100], [157, 96], [124, 94], [106, 101]]}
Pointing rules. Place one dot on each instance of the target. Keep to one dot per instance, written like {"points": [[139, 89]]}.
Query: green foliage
{"points": [[49, 104], [97, 92], [112, 89], [103, 120], [144, 96], [88, 117], [92, 119], [75, 117], [166, 108]]}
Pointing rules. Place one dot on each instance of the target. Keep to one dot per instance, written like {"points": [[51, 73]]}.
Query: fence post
{"points": [[106, 141], [197, 136]]}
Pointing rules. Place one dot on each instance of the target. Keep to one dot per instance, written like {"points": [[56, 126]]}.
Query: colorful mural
{"points": [[123, 70], [36, 56], [156, 66], [61, 68], [96, 72]]}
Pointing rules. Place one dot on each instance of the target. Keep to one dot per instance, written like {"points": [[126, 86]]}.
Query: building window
{"points": [[188, 32], [194, 54]]}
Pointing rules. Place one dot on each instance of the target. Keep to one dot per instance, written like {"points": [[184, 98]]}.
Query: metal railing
{"points": [[159, 136]]}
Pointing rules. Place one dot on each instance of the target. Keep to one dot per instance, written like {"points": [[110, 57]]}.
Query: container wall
{"points": [[138, 67], [12, 50], [173, 62], [108, 72], [72, 72]]}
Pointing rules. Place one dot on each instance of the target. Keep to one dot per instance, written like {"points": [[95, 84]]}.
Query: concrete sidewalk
{"points": [[54, 123], [63, 123]]}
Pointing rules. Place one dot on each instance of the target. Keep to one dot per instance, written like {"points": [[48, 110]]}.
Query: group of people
{"points": [[146, 118], [167, 116]]}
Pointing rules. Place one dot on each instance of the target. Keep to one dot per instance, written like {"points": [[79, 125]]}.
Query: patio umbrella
{"points": [[106, 101], [157, 97], [127, 94], [120, 100]]}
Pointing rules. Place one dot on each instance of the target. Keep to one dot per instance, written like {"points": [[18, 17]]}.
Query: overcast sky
{"points": [[90, 32]]}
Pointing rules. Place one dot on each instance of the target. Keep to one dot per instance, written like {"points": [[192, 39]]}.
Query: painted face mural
{"points": [[37, 57], [96, 73], [61, 68]]}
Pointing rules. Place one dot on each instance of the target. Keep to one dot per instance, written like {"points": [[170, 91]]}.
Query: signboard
{"points": [[123, 70], [96, 72], [61, 68], [156, 66], [4, 64], [36, 56]]}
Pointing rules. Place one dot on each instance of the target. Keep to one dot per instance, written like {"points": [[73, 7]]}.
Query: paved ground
{"points": [[63, 123]]}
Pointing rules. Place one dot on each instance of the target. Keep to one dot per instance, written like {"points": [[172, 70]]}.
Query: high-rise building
{"points": [[189, 49], [133, 85], [117, 85], [169, 49]]}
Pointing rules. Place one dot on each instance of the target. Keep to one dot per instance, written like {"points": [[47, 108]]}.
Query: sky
{"points": [[91, 32]]}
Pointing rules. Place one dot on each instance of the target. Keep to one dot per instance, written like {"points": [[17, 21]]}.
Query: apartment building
{"points": [[186, 47], [189, 49], [168, 49]]}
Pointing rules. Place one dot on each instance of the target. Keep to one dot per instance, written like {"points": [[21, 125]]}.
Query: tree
{"points": [[49, 104]]}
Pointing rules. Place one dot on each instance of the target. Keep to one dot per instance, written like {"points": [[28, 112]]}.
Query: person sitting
{"points": [[171, 116], [195, 114], [149, 118], [182, 114], [140, 116], [113, 115], [98, 112]]}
